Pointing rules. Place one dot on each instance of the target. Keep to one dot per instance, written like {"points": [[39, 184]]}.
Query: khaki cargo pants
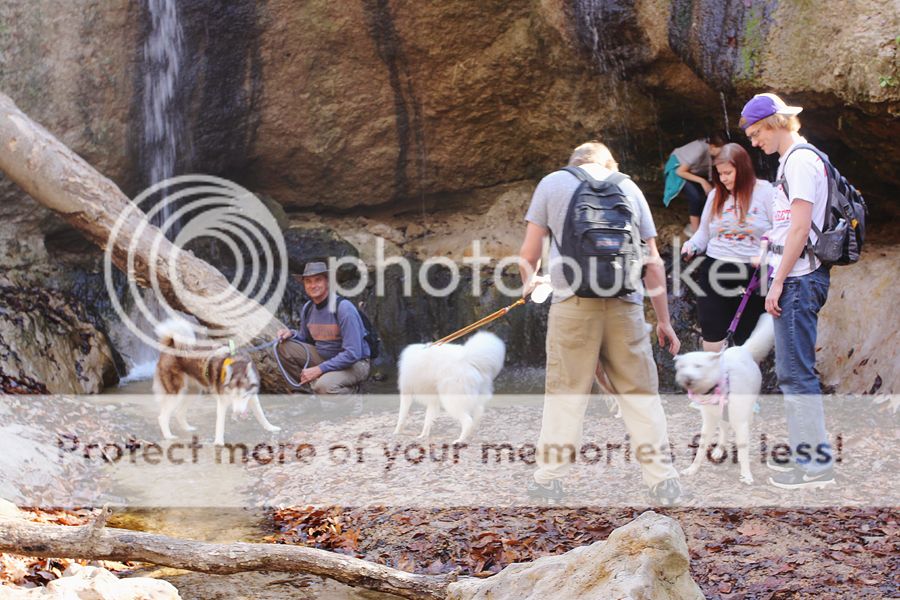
{"points": [[346, 381], [580, 331]]}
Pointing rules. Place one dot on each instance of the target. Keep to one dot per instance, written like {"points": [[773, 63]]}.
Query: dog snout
{"points": [[684, 381]]}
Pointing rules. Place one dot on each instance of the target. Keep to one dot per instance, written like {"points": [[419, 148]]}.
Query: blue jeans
{"points": [[795, 360]]}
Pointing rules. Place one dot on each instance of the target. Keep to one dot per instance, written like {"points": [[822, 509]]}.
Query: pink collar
{"points": [[719, 395]]}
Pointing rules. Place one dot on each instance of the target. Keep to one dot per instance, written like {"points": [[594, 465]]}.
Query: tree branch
{"points": [[93, 543], [62, 181]]}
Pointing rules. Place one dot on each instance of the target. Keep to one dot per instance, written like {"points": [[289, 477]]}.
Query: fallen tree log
{"points": [[93, 542], [62, 181]]}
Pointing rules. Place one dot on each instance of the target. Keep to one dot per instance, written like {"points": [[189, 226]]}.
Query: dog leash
{"points": [[284, 373], [539, 294], [479, 323], [263, 346], [273, 344], [751, 287]]}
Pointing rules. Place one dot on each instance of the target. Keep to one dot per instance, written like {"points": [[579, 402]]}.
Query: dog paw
{"points": [[190, 428], [689, 471], [747, 479], [273, 428], [170, 437], [717, 453]]}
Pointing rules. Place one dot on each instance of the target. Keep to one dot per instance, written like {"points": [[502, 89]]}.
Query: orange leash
{"points": [[479, 323]]}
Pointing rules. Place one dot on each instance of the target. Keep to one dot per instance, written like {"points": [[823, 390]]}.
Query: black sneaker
{"points": [[666, 493], [552, 493], [798, 479], [779, 467]]}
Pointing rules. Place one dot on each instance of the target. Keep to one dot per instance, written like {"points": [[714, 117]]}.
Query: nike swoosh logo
{"points": [[807, 478]]}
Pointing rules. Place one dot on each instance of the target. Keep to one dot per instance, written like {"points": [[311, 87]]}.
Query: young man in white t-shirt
{"points": [[798, 289]]}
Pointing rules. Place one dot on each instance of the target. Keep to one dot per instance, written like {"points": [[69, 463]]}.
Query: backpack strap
{"points": [[615, 178], [579, 173], [810, 249]]}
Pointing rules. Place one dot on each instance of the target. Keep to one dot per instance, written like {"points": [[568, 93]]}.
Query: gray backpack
{"points": [[841, 238]]}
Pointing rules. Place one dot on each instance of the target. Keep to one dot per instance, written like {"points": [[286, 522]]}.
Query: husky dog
{"points": [[459, 378], [703, 372], [230, 379]]}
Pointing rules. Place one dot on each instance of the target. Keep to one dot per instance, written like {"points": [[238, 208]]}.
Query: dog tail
{"points": [[485, 351], [762, 339], [175, 331]]}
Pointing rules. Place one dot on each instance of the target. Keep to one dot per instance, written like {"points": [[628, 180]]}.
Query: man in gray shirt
{"points": [[583, 331]]}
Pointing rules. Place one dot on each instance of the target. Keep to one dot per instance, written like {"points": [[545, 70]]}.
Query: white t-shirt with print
{"points": [[807, 180], [724, 236]]}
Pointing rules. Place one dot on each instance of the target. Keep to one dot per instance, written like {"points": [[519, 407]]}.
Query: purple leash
{"points": [[751, 287]]}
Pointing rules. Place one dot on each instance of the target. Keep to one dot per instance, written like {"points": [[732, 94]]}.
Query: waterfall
{"points": [[140, 359], [162, 56], [725, 112], [597, 22], [161, 68]]}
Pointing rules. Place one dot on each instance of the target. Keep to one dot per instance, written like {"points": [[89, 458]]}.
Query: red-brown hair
{"points": [[744, 179]]}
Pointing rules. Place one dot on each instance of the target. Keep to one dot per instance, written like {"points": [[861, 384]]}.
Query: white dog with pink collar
{"points": [[732, 379]]}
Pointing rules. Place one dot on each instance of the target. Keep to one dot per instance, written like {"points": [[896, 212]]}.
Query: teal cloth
{"points": [[674, 182]]}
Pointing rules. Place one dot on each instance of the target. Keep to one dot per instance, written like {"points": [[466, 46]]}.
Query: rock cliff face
{"points": [[339, 106], [421, 106], [372, 102], [45, 338]]}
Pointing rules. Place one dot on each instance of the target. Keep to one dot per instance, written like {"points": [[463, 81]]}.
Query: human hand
{"points": [[528, 287], [772, 298], [707, 186], [687, 250], [284, 334], [667, 338], [310, 374]]}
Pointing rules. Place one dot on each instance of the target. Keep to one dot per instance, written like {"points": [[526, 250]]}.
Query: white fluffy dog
{"points": [[460, 378], [701, 372]]}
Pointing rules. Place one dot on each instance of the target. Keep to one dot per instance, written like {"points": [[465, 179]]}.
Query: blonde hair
{"points": [[593, 152], [789, 122]]}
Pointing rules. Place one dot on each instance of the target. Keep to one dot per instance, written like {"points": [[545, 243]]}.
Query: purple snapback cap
{"points": [[761, 106]]}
